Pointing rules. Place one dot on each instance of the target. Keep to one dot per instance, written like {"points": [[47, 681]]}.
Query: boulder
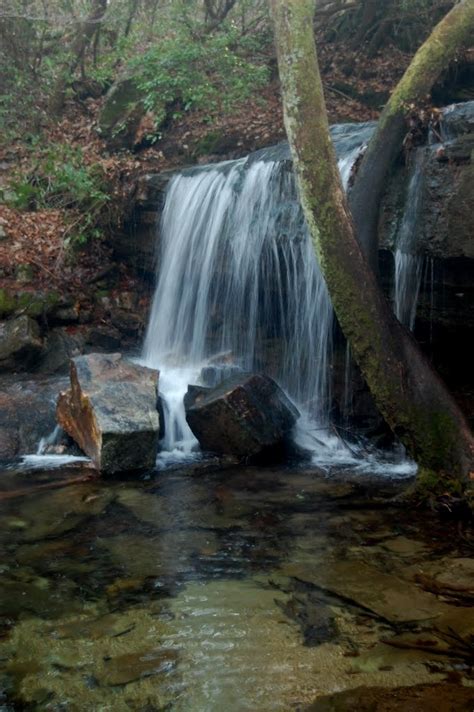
{"points": [[244, 416], [27, 412], [110, 411], [20, 343], [122, 112]]}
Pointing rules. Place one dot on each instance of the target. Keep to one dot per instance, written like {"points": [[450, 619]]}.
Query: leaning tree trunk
{"points": [[410, 396], [454, 31]]}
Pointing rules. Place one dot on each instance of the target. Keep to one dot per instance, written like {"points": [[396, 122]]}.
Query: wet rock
{"points": [[27, 409], [213, 375], [134, 666], [20, 343], [76, 670], [34, 595], [61, 511], [386, 595], [456, 573], [436, 698], [243, 416], [60, 347], [403, 546], [104, 337], [128, 323], [9, 443], [458, 119], [110, 411]]}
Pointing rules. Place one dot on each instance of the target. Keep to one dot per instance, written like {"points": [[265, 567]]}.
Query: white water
{"points": [[45, 459], [237, 276], [408, 264]]}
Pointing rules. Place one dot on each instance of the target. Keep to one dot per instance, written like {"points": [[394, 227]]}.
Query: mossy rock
{"points": [[7, 303], [32, 304], [215, 143], [122, 112]]}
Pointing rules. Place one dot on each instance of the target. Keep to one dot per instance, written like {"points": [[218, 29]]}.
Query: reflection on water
{"points": [[199, 591]]}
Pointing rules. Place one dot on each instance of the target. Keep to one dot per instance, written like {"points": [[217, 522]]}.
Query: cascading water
{"points": [[238, 281], [238, 276], [409, 265]]}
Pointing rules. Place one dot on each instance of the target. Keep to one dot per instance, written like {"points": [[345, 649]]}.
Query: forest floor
{"points": [[356, 88]]}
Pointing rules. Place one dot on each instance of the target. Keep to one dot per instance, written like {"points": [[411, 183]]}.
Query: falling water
{"points": [[238, 282], [409, 265], [237, 276]]}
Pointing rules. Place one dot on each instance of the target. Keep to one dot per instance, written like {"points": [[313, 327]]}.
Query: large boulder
{"points": [[20, 343], [110, 411], [245, 416], [122, 113]]}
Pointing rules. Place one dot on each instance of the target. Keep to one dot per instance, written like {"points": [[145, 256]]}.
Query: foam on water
{"points": [[46, 462]]}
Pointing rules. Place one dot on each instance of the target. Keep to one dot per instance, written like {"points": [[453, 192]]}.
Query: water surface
{"points": [[205, 589]]}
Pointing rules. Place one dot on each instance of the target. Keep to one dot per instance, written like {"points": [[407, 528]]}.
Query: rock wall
{"points": [[445, 316]]}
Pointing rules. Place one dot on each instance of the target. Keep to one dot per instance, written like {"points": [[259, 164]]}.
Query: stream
{"points": [[207, 588]]}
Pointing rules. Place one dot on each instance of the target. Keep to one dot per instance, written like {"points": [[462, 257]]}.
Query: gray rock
{"points": [[8, 443], [110, 412], [60, 347], [458, 119], [20, 343], [122, 112], [104, 337], [245, 416]]}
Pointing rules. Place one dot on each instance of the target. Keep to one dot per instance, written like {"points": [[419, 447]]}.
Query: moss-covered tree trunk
{"points": [[454, 31], [411, 397]]}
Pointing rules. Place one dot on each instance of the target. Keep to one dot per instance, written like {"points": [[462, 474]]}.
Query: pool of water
{"points": [[207, 589]]}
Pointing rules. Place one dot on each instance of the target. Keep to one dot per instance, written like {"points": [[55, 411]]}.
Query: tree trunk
{"points": [[410, 396], [84, 35], [449, 36]]}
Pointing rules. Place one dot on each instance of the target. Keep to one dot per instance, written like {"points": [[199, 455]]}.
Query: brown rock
{"points": [[110, 411], [243, 416]]}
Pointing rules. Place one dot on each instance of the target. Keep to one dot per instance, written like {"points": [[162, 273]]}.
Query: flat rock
{"points": [[243, 416], [133, 666], [386, 595], [110, 411]]}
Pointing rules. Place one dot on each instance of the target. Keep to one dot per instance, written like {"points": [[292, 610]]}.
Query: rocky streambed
{"points": [[201, 589]]}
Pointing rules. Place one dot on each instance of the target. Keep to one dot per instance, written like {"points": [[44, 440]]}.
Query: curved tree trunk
{"points": [[410, 396], [454, 31]]}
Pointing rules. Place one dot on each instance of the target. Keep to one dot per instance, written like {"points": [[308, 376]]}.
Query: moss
{"points": [[37, 303], [454, 31], [32, 304], [7, 303], [430, 483]]}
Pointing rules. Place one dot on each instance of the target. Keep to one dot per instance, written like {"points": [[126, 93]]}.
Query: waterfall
{"points": [[409, 265], [238, 283]]}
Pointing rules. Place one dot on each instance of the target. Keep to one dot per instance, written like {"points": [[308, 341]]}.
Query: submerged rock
{"points": [[243, 416], [20, 343], [110, 411]]}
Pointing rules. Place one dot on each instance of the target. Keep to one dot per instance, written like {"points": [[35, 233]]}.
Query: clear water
{"points": [[241, 589]]}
